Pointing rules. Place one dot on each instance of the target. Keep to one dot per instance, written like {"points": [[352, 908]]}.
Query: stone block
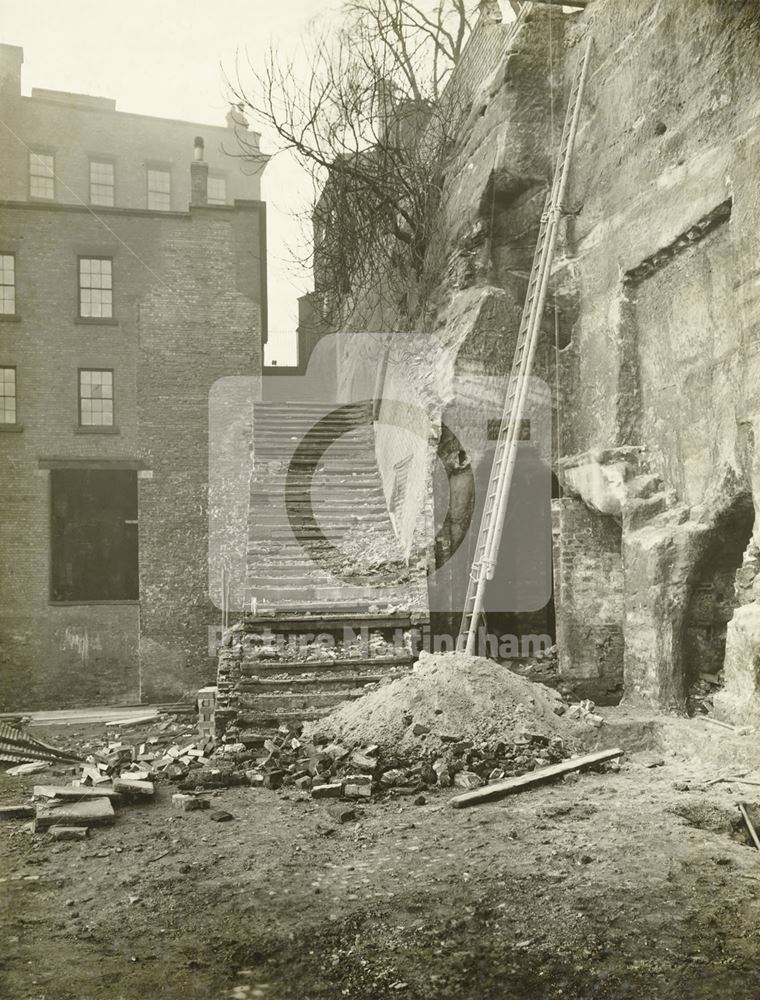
{"points": [[330, 790], [69, 832]]}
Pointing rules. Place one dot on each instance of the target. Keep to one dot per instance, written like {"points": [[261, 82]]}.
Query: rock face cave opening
{"points": [[714, 595]]}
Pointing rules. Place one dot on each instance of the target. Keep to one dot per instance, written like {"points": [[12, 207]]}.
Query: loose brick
{"points": [[331, 790]]}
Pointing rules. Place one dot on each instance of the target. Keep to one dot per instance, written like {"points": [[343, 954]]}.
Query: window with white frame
{"points": [[159, 189], [7, 395], [7, 284], [42, 175], [95, 397], [217, 191], [96, 287], [101, 183]]}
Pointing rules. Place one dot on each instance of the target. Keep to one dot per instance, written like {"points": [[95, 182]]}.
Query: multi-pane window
{"points": [[95, 397], [42, 175], [96, 287], [101, 183], [217, 191], [7, 284], [159, 189], [7, 395]]}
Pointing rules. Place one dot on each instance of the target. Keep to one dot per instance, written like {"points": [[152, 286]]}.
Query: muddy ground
{"points": [[638, 884]]}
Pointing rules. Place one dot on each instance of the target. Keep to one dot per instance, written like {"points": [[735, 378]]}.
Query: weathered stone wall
{"points": [[588, 587], [661, 250]]}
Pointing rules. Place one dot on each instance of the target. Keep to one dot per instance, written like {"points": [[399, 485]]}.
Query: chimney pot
{"points": [[198, 175]]}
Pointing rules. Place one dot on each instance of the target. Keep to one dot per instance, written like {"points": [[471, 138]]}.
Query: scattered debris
{"points": [[22, 769], [221, 816], [583, 711]]}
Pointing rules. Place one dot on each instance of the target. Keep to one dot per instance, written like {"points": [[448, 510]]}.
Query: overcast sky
{"points": [[164, 57]]}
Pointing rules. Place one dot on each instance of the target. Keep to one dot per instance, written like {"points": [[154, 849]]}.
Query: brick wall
{"points": [[187, 289], [485, 46], [76, 132], [588, 591]]}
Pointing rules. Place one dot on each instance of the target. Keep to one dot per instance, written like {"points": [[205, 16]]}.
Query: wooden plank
{"points": [[16, 812], [91, 812], [717, 722], [749, 825], [511, 785]]}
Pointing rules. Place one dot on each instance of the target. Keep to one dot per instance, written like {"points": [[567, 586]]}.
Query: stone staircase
{"points": [[335, 607]]}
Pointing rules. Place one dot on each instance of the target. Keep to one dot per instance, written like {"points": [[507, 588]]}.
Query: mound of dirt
{"points": [[449, 696]]}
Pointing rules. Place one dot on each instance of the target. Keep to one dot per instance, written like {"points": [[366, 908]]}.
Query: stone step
{"points": [[276, 482], [271, 721], [309, 406], [278, 518], [279, 702], [314, 577], [338, 502], [319, 497], [270, 685], [332, 619], [361, 462], [323, 426], [322, 513], [329, 444], [321, 538], [284, 597], [379, 664]]}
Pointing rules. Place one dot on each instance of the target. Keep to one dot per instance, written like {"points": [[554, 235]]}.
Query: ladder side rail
{"points": [[552, 233], [482, 545], [486, 547], [482, 570], [515, 405]]}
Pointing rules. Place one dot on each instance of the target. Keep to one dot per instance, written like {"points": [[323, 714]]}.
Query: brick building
{"points": [[133, 267]]}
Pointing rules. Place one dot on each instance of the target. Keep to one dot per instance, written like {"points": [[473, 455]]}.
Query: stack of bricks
{"points": [[207, 712]]}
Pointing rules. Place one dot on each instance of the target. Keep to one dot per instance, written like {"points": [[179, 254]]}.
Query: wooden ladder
{"points": [[502, 470]]}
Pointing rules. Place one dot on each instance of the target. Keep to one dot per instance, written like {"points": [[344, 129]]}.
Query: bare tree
{"points": [[372, 120]]}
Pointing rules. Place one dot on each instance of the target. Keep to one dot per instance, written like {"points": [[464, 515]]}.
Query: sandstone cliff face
{"points": [[662, 251], [657, 318]]}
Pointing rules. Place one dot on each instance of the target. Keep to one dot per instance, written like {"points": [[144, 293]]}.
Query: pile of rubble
{"points": [[294, 648], [455, 721], [329, 769], [702, 692], [470, 696]]}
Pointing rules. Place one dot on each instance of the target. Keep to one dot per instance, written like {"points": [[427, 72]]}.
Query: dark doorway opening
{"points": [[93, 535], [713, 600]]}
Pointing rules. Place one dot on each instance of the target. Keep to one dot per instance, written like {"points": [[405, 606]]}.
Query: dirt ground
{"points": [[637, 884]]}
